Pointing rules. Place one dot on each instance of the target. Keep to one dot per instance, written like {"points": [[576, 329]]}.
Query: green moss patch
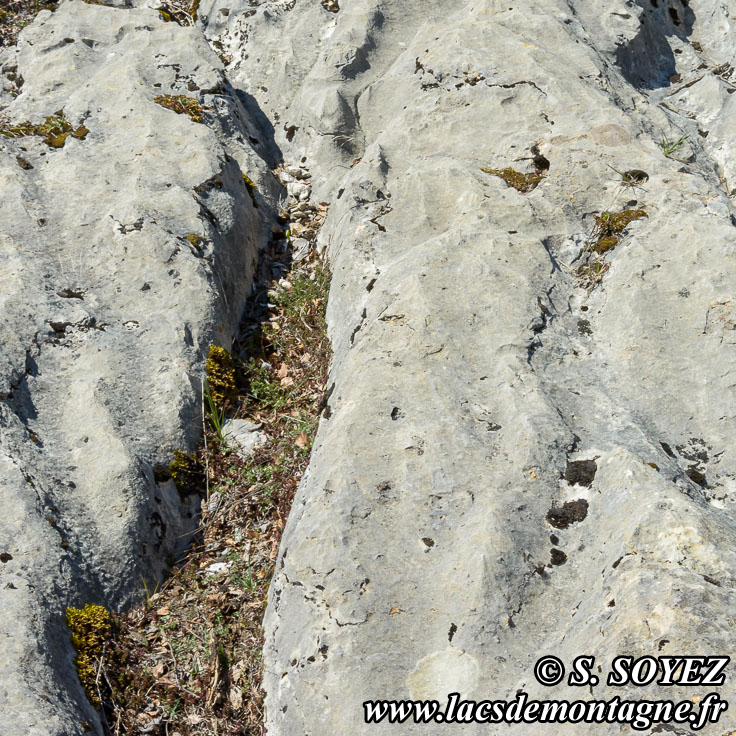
{"points": [[607, 234], [54, 130], [611, 223], [90, 627], [182, 105], [521, 182]]}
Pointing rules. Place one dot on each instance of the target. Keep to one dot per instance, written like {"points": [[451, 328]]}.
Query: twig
{"points": [[99, 672], [173, 657], [206, 451]]}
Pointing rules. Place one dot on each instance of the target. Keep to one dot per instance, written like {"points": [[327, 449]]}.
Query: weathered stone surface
{"points": [[471, 363], [108, 309], [514, 460], [244, 436]]}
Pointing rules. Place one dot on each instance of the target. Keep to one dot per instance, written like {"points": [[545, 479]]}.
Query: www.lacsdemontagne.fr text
{"points": [[639, 714]]}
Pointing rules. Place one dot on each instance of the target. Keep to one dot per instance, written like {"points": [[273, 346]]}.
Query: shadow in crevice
{"points": [[647, 61], [264, 140]]}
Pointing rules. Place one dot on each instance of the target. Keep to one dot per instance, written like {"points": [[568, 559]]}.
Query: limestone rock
{"points": [[244, 436], [529, 442], [430, 548], [125, 253]]}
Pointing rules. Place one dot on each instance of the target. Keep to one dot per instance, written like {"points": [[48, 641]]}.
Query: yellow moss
{"points": [[221, 375], [250, 187], [185, 470], [194, 239], [249, 183], [166, 16], [54, 130], [181, 104], [90, 628], [517, 180]]}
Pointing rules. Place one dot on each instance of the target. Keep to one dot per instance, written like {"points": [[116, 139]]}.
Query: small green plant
{"points": [[669, 147], [610, 225], [593, 271], [147, 595], [216, 416], [632, 177]]}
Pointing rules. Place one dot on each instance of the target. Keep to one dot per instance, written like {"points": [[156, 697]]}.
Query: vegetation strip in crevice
{"points": [[188, 660]]}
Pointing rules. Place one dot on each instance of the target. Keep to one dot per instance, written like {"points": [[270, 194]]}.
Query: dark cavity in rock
{"points": [[580, 472], [570, 512]]}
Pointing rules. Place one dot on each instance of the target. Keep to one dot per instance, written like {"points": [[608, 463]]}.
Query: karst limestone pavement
{"points": [[443, 537]]}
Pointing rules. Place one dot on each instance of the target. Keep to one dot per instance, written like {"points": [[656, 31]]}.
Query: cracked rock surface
{"points": [[108, 309], [529, 446]]}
